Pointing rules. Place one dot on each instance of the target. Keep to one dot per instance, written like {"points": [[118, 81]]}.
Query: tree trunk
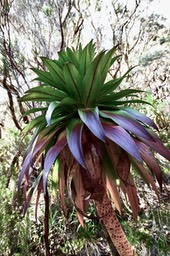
{"points": [[113, 249], [104, 208], [107, 216]]}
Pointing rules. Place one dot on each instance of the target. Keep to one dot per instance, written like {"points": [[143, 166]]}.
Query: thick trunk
{"points": [[98, 191], [109, 219]]}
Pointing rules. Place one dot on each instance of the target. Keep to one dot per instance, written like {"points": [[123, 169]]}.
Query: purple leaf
{"points": [[158, 146], [52, 154], [129, 124], [25, 168], [74, 135], [118, 135], [150, 160], [91, 118], [146, 176], [141, 117]]}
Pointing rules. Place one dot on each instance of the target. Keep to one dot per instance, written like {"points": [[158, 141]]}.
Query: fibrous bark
{"points": [[104, 208]]}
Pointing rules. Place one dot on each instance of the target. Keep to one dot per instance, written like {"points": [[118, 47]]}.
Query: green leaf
{"points": [[119, 95], [35, 122], [34, 110], [114, 58], [44, 76], [72, 79], [85, 58], [36, 96], [44, 90], [111, 104], [111, 85], [106, 62], [68, 104], [107, 160], [92, 82], [56, 72], [49, 112], [72, 54]]}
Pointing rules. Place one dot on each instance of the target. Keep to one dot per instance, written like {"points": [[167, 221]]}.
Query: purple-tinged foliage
{"points": [[122, 138], [87, 118], [74, 140], [52, 155], [90, 118]]}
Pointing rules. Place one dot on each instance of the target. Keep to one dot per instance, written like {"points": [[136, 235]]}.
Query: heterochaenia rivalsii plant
{"points": [[89, 136]]}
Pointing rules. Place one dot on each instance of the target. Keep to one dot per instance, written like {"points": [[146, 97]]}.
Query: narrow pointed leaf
{"points": [[112, 103], [118, 135], [44, 76], [25, 168], [72, 79], [141, 117], [51, 155], [146, 176], [28, 199], [92, 82], [31, 191], [39, 190], [33, 110], [92, 121], [85, 58], [35, 122], [114, 58], [150, 160], [111, 155], [74, 140], [158, 146], [119, 95], [48, 90], [36, 96], [68, 102], [49, 112], [37, 147], [128, 124], [111, 85], [106, 62], [56, 72], [73, 57]]}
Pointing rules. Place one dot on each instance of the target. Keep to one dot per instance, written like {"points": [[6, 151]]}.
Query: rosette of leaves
{"points": [[90, 137]]}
